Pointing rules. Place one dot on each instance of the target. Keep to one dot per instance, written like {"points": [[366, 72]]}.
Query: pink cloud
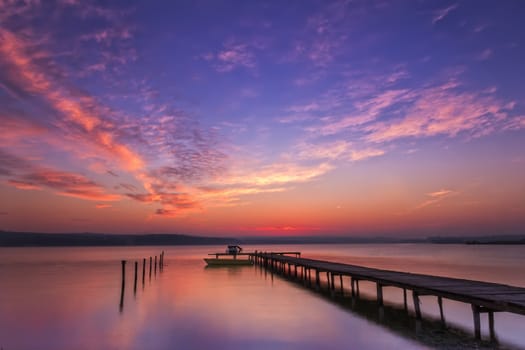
{"points": [[441, 110], [367, 111], [442, 13], [234, 55]]}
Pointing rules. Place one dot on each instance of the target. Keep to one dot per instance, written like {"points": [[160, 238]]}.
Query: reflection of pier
{"points": [[484, 297], [123, 286]]}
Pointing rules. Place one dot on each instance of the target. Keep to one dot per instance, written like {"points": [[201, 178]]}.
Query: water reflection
{"points": [[66, 299]]}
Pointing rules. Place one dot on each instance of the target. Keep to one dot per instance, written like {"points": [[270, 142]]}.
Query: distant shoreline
{"points": [[33, 239]]}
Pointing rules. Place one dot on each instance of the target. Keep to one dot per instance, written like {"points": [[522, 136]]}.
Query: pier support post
{"points": [[317, 280], [295, 267], [150, 266], [491, 326], [328, 280], [440, 303], [332, 285], [379, 294], [415, 296], [477, 321], [352, 283], [341, 285], [155, 264], [405, 299]]}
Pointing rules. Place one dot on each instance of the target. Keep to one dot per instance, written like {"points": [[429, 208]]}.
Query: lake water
{"points": [[69, 298]]}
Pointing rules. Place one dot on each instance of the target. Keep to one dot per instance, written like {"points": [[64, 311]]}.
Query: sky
{"points": [[339, 118]]}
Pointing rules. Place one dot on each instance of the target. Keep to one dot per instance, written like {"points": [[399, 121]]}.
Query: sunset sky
{"points": [[358, 118]]}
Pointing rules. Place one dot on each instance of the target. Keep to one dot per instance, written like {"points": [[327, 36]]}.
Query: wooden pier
{"points": [[483, 297]]}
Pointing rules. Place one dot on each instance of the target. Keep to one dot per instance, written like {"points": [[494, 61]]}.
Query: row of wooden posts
{"points": [[304, 274], [153, 264]]}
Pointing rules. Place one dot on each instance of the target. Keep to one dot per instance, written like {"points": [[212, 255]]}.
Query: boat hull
{"points": [[227, 262]]}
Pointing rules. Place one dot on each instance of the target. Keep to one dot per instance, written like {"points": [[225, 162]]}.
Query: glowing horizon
{"points": [[310, 118]]}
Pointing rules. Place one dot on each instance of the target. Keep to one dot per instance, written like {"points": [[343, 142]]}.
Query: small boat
{"points": [[229, 258]]}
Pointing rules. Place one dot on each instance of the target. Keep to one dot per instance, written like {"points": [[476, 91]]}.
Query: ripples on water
{"points": [[68, 298]]}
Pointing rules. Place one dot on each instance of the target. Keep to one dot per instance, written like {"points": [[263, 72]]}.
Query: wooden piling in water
{"points": [[155, 264], [150, 266], [379, 288], [415, 297], [477, 321], [123, 262], [135, 279], [143, 271], [405, 299], [491, 326], [441, 313], [121, 304]]}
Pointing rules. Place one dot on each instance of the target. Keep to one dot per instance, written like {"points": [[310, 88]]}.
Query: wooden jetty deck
{"points": [[484, 297]]}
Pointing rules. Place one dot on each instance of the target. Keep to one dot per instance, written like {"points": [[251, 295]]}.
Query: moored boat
{"points": [[230, 258]]}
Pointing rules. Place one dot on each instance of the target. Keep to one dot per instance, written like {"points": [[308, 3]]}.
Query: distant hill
{"points": [[32, 239]]}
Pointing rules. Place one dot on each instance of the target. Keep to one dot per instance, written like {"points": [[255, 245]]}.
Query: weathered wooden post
{"points": [[317, 280], [143, 271], [121, 304], [135, 281], [341, 283], [123, 262], [405, 299], [150, 266], [155, 264]]}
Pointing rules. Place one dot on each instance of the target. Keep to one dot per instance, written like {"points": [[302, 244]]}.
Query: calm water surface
{"points": [[68, 298]]}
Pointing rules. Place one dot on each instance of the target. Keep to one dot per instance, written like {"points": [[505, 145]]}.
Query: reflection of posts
{"points": [[121, 305]]}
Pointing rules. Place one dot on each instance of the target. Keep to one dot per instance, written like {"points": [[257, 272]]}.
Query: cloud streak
{"points": [[440, 14]]}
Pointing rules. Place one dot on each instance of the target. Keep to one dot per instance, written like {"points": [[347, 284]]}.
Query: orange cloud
{"points": [[436, 197], [77, 111]]}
